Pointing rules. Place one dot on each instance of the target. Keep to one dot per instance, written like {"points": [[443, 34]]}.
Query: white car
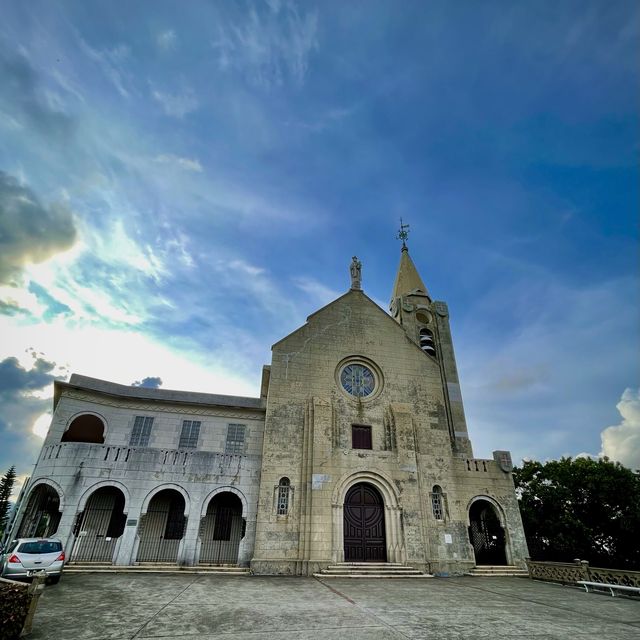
{"points": [[26, 557]]}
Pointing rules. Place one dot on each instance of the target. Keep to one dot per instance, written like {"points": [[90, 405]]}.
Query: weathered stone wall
{"points": [[76, 469]]}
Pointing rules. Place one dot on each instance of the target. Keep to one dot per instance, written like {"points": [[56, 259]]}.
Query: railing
{"points": [[571, 572]]}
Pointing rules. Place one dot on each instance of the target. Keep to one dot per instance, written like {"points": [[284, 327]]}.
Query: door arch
{"points": [[99, 526], [162, 527], [42, 515], [486, 534], [364, 526], [221, 530]]}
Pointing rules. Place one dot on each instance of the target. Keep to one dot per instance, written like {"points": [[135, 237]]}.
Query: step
{"points": [[385, 575], [159, 568]]}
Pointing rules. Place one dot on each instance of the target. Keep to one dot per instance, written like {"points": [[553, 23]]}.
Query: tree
{"points": [[582, 508], [6, 487]]}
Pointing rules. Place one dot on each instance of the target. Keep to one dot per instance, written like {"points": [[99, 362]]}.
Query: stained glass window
{"points": [[358, 380]]}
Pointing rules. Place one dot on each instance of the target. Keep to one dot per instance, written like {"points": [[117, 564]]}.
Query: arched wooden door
{"points": [[364, 535], [486, 534]]}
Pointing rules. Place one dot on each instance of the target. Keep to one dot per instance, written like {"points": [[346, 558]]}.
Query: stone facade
{"points": [[356, 398]]}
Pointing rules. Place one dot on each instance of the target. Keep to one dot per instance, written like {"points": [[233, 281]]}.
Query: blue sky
{"points": [[183, 183]]}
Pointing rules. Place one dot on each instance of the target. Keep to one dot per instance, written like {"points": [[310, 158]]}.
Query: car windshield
{"points": [[41, 546]]}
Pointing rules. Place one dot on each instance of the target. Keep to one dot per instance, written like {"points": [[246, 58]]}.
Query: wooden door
{"points": [[364, 535]]}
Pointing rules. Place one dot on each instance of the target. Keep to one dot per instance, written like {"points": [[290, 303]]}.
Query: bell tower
{"points": [[426, 323]]}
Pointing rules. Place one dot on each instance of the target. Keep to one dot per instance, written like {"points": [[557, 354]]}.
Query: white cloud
{"points": [[188, 164], [167, 40], [178, 104], [41, 425], [622, 442], [319, 293]]}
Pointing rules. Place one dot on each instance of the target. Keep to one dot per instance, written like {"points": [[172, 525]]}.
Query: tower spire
{"points": [[408, 280]]}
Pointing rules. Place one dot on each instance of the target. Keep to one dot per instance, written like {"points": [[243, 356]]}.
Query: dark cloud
{"points": [[22, 99], [29, 230], [148, 383], [14, 378]]}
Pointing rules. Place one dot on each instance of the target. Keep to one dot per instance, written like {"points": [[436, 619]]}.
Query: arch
{"points": [[395, 546], [162, 526], [42, 513], [487, 531], [54, 485], [100, 524], [234, 490], [169, 485], [86, 427], [105, 483], [221, 529]]}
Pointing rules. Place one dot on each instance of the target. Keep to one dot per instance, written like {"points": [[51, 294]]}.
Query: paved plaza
{"points": [[208, 607]]}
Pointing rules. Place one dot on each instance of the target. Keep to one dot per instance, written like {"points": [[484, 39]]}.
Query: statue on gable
{"points": [[356, 275]]}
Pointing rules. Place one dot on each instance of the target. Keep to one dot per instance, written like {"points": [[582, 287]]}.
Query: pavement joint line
{"points": [[164, 606], [271, 633], [369, 611], [544, 604]]}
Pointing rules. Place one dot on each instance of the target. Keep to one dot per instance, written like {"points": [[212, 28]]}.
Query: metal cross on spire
{"points": [[403, 234]]}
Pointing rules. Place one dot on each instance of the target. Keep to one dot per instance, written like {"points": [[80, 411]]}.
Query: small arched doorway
{"points": [[99, 526], [364, 527], [221, 530], [486, 534], [42, 515], [162, 527]]}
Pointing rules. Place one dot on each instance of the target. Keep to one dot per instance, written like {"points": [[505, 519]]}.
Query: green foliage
{"points": [[14, 605], [582, 508], [6, 487]]}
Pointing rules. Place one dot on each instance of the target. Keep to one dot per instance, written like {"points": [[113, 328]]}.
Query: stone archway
{"points": [[393, 536], [486, 534], [42, 514], [99, 526], [221, 530], [364, 526], [162, 527]]}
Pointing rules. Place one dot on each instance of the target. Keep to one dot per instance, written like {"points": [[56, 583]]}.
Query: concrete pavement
{"points": [[209, 607]]}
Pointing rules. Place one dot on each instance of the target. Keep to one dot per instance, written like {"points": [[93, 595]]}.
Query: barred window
{"points": [[437, 503], [141, 431], [190, 434], [283, 496], [235, 439], [360, 436]]}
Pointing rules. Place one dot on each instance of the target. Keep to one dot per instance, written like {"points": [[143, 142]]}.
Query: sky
{"points": [[183, 183]]}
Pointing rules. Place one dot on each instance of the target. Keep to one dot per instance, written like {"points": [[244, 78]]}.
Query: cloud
{"points": [[29, 231], [148, 383], [188, 164], [176, 105], [167, 40], [24, 104], [112, 63], [269, 45], [13, 377], [622, 442]]}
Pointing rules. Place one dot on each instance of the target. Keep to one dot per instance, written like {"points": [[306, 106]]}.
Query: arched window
{"points": [[426, 342], [437, 503], [85, 428], [283, 496]]}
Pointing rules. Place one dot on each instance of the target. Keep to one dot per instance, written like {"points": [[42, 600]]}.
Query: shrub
{"points": [[14, 605]]}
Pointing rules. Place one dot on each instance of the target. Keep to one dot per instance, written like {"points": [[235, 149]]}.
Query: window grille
{"points": [[235, 439], [437, 503], [360, 436], [141, 431], [190, 434], [283, 496]]}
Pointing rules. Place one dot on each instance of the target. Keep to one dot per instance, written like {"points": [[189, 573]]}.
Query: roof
{"points": [[86, 383], [408, 280]]}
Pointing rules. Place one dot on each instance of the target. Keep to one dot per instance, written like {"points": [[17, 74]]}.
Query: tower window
{"points": [[235, 439], [283, 496], [437, 503], [190, 434], [427, 343], [360, 436], [141, 431]]}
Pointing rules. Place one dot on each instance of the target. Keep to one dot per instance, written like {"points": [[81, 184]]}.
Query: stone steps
{"points": [[102, 567], [488, 571], [370, 570]]}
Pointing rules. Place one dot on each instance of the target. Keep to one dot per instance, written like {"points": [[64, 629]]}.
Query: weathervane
{"points": [[403, 234]]}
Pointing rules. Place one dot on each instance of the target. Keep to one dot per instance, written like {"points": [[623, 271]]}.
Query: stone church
{"points": [[356, 451]]}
